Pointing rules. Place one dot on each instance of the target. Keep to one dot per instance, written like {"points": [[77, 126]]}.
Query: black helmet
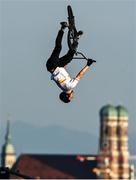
{"points": [[64, 97]]}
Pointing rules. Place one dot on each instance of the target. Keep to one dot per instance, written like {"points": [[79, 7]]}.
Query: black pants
{"points": [[54, 61]]}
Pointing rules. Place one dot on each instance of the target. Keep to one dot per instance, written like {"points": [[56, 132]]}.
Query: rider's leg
{"points": [[58, 44], [52, 62], [64, 60], [58, 41]]}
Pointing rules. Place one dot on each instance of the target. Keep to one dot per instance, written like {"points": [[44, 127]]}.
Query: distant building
{"points": [[111, 162], [8, 156], [113, 145], [56, 166]]}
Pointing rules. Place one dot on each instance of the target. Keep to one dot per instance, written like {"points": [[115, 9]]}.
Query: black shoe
{"points": [[64, 25], [90, 61], [79, 34]]}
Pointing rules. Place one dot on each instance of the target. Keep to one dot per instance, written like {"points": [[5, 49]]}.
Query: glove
{"points": [[90, 61]]}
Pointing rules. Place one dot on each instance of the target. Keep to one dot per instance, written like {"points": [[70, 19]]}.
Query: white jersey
{"points": [[63, 80]]}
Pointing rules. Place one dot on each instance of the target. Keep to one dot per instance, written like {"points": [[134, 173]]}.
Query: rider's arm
{"points": [[82, 72]]}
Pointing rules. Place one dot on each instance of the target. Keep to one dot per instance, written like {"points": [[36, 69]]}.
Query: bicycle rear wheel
{"points": [[70, 15], [72, 29]]}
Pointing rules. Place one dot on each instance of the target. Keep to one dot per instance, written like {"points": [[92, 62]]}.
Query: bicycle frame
{"points": [[82, 56]]}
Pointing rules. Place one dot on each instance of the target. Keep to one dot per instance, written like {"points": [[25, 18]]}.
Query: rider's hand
{"points": [[90, 61]]}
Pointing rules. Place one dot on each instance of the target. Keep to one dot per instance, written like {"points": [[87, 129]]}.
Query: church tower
{"points": [[108, 143], [122, 131], [8, 151], [113, 155]]}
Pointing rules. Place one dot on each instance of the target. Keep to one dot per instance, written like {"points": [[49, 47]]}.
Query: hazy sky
{"points": [[27, 33]]}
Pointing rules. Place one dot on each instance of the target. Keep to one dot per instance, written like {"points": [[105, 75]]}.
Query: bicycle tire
{"points": [[72, 29], [70, 13]]}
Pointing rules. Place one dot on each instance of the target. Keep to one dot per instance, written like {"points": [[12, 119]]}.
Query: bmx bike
{"points": [[73, 34]]}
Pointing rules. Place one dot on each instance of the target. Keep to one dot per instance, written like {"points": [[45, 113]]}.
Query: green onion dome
{"points": [[122, 111], [108, 111]]}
